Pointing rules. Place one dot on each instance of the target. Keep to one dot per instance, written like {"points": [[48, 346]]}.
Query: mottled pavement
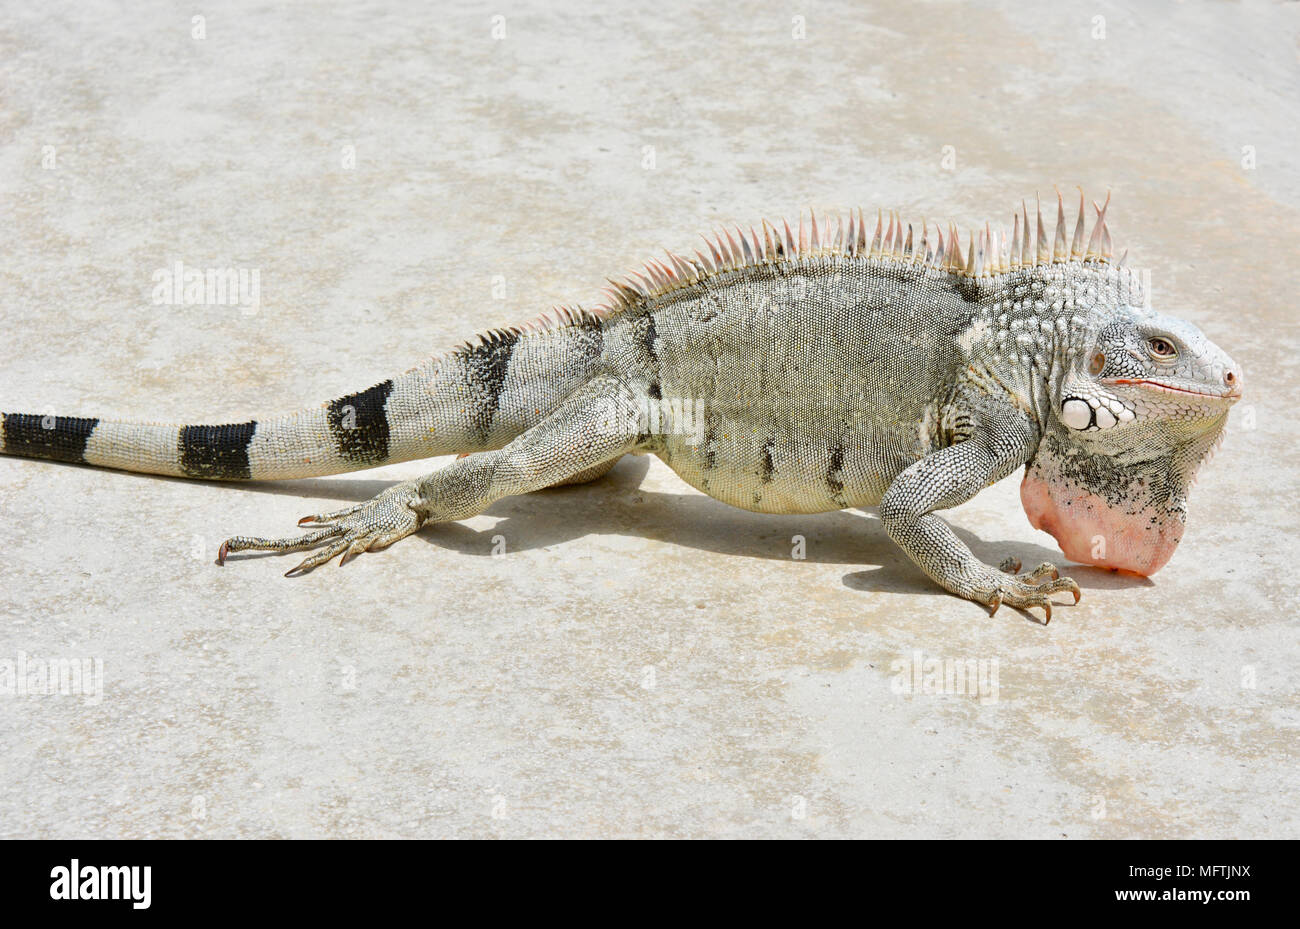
{"points": [[641, 660]]}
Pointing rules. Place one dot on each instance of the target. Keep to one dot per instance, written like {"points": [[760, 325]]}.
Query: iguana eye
{"points": [[1161, 348]]}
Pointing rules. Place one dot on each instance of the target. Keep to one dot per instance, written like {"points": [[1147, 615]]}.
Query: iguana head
{"points": [[1142, 403]]}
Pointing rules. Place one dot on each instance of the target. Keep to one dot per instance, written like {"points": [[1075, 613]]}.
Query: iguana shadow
{"points": [[617, 505]]}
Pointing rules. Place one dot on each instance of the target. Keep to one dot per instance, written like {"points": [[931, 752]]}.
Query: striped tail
{"points": [[476, 398]]}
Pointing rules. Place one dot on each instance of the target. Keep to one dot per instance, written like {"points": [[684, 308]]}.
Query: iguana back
{"points": [[818, 378]]}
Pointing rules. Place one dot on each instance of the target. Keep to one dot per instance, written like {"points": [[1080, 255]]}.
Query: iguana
{"points": [[781, 372]]}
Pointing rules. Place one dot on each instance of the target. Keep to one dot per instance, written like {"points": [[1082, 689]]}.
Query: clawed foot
{"points": [[367, 526], [1026, 590]]}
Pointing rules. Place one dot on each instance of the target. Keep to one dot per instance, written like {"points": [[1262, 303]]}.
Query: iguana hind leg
{"points": [[589, 475], [585, 433], [582, 477]]}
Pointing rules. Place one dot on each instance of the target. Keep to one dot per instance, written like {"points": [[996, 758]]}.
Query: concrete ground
{"points": [[641, 660]]}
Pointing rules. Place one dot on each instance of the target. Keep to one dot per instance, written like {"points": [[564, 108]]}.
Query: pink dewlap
{"points": [[1090, 532]]}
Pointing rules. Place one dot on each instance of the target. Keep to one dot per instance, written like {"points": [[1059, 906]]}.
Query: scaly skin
{"points": [[784, 375]]}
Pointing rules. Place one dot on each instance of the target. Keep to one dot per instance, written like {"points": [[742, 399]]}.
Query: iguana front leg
{"points": [[594, 425], [946, 478]]}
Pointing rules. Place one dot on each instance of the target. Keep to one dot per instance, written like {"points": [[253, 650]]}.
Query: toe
{"points": [[353, 550], [1046, 569], [1064, 583], [316, 559], [242, 543]]}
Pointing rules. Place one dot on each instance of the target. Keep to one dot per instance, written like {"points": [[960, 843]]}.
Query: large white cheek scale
{"points": [[1076, 414], [1082, 415]]}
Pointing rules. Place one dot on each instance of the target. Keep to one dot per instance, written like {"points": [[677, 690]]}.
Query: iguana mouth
{"points": [[1232, 394]]}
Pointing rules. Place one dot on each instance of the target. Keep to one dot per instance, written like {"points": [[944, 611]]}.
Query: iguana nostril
{"points": [[1230, 379]]}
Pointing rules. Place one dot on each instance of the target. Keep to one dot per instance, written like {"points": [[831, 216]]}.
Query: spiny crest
{"points": [[989, 252], [554, 318]]}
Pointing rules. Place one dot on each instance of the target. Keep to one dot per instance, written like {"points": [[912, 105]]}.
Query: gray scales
{"points": [[783, 371]]}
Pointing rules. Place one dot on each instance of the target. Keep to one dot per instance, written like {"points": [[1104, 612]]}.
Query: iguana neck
{"points": [[1117, 508]]}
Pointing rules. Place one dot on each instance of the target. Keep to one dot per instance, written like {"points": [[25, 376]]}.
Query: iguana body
{"points": [[783, 373]]}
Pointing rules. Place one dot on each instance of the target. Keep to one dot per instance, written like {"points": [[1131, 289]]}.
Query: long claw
{"points": [[355, 549], [332, 517], [1060, 584]]}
